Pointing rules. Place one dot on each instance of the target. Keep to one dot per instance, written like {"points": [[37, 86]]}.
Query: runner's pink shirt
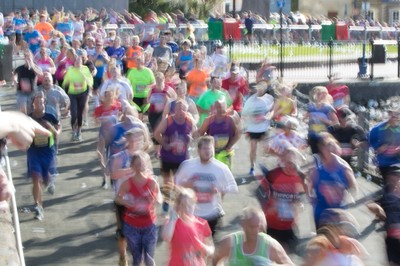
{"points": [[185, 243]]}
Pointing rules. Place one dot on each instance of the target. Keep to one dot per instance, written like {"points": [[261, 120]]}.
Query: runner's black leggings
{"points": [[78, 102]]}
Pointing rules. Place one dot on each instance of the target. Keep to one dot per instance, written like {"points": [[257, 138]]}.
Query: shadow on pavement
{"points": [[100, 247]]}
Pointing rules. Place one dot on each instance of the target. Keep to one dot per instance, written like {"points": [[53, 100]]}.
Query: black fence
{"points": [[373, 59]]}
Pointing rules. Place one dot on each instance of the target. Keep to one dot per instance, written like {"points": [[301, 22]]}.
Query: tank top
{"points": [[178, 136], [44, 65], [329, 187], [144, 213], [185, 59], [239, 258], [126, 161], [286, 107], [221, 131], [158, 100]]}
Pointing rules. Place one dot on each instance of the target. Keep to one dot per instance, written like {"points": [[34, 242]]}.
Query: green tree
{"points": [[200, 8]]}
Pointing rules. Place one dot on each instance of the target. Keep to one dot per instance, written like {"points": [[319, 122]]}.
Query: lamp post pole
{"points": [[363, 64], [281, 4]]}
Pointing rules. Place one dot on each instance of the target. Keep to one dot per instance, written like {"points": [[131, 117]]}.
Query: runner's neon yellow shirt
{"points": [[78, 80], [141, 81]]}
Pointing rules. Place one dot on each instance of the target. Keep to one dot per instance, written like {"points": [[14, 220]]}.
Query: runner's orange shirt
{"points": [[133, 52], [44, 28]]}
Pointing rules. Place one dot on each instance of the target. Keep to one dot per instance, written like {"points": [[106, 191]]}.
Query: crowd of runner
{"points": [[158, 98]]}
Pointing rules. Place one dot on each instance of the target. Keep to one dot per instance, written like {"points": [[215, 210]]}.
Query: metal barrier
{"points": [[321, 59], [15, 212]]}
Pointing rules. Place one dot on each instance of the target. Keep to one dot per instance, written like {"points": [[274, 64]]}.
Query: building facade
{"points": [[7, 6]]}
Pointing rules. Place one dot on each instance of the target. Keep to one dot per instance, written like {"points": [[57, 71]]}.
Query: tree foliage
{"points": [[200, 8]]}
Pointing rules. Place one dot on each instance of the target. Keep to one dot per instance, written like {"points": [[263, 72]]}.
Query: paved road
{"points": [[78, 228]]}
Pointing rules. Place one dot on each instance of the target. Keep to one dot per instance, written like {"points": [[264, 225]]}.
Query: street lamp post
{"points": [[281, 4], [363, 64]]}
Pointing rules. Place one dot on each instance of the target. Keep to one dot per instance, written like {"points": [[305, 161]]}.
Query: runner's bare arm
{"points": [[222, 251], [278, 255]]}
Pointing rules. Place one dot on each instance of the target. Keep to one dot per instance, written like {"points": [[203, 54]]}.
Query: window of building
{"points": [[370, 14], [395, 16]]}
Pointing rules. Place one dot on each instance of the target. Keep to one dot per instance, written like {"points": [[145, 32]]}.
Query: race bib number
{"points": [[259, 118], [99, 63], [204, 197], [25, 85], [285, 210], [78, 86], [141, 206], [220, 141], [158, 102], [233, 91], [191, 257], [332, 193], [204, 186], [179, 147], [41, 141], [141, 88], [346, 148]]}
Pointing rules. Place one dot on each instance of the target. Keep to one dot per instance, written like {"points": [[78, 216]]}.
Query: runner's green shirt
{"points": [[141, 81], [259, 257], [207, 100]]}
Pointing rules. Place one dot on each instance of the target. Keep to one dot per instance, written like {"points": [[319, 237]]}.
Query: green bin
{"points": [[328, 31], [6, 62], [215, 30]]}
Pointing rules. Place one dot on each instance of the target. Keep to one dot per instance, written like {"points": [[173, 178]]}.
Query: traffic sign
{"points": [[280, 3]]}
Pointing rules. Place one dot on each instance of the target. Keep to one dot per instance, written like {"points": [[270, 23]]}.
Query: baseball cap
{"points": [[188, 42], [235, 70]]}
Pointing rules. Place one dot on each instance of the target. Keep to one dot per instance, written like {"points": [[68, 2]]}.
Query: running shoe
{"points": [[104, 184], [78, 137], [74, 136], [39, 212], [251, 172], [51, 188], [123, 261]]}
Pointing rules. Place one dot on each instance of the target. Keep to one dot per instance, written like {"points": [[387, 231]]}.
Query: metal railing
{"points": [[320, 59]]}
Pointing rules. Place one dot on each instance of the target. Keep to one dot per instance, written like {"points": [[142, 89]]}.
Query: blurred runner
{"points": [[222, 127], [251, 246], [257, 115], [189, 236], [210, 179]]}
